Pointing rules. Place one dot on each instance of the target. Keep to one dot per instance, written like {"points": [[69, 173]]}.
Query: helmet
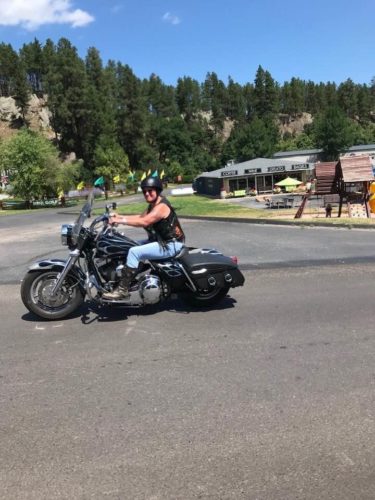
{"points": [[153, 183]]}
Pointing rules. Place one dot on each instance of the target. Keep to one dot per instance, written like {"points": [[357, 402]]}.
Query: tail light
{"points": [[234, 259]]}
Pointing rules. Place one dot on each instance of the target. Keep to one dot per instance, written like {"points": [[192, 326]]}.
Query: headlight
{"points": [[66, 234]]}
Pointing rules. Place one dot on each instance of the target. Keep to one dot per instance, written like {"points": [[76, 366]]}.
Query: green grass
{"points": [[195, 205], [198, 205]]}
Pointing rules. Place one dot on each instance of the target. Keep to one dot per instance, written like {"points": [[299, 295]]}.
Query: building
{"points": [[315, 155], [260, 174]]}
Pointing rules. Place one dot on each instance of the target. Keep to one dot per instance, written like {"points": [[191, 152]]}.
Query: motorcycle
{"points": [[53, 289]]}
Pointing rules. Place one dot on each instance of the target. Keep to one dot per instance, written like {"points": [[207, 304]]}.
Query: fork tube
{"points": [[73, 256]]}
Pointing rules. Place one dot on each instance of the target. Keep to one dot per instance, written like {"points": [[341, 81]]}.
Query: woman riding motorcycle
{"points": [[165, 235]]}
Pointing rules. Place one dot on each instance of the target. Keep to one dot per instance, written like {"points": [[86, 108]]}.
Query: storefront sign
{"points": [[301, 166], [281, 168], [229, 173], [253, 171]]}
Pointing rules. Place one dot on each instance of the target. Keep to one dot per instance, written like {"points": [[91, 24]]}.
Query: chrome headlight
{"points": [[66, 234]]}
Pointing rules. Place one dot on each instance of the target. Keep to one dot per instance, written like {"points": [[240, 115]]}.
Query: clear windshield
{"points": [[85, 212]]}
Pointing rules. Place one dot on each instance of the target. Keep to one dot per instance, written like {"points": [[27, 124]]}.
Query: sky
{"points": [[318, 40]]}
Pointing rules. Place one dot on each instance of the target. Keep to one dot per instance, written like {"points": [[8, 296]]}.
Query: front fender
{"points": [[58, 265]]}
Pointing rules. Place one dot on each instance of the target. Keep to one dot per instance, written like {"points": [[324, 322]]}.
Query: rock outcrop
{"points": [[37, 114]]}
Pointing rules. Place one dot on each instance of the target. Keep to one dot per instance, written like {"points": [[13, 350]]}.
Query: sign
{"points": [[253, 171], [301, 166], [281, 168], [229, 173]]}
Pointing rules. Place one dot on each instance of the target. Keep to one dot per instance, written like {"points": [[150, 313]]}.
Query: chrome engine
{"points": [[150, 289]]}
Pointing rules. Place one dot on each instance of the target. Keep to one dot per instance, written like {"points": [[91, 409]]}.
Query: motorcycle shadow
{"points": [[106, 313], [91, 312]]}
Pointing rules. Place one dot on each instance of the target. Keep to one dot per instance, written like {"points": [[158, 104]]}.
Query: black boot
{"points": [[122, 292]]}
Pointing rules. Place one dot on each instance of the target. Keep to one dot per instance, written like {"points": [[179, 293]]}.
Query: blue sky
{"points": [[311, 39]]}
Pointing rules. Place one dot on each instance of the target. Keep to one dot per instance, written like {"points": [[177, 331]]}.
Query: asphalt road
{"points": [[269, 396]]}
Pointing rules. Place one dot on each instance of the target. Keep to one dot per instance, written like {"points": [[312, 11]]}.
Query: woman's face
{"points": [[150, 194]]}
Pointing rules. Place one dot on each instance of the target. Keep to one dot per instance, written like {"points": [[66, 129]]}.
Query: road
{"points": [[269, 396]]}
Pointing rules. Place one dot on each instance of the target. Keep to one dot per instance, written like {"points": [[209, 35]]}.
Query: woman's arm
{"points": [[160, 211]]}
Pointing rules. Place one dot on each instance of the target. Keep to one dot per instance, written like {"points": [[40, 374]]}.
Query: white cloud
{"points": [[171, 18], [33, 14]]}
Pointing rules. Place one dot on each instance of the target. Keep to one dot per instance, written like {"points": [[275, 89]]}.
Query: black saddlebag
{"points": [[209, 268]]}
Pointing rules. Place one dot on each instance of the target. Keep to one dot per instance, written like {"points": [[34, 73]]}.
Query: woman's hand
{"points": [[117, 219]]}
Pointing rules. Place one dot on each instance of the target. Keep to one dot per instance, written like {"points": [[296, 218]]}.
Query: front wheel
{"points": [[205, 298], [36, 295]]}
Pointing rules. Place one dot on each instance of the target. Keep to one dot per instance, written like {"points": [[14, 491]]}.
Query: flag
{"points": [[99, 181], [116, 179], [131, 175], [155, 174], [81, 186], [143, 176], [148, 172], [162, 174]]}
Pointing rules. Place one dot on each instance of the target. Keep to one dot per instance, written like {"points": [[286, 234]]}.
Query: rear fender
{"points": [[58, 265]]}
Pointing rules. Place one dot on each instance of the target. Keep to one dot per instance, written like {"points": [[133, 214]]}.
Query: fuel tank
{"points": [[114, 245]]}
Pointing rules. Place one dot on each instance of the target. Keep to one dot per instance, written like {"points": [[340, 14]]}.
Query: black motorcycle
{"points": [[53, 288]]}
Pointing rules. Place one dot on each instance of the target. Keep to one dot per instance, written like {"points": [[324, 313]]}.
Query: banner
{"points": [[99, 182]]}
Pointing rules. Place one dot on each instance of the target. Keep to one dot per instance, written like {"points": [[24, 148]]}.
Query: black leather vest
{"points": [[166, 230]]}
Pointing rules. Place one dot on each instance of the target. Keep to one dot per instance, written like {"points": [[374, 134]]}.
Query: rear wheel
{"points": [[36, 291], [205, 298]]}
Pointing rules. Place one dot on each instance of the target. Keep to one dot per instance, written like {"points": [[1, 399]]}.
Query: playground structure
{"points": [[346, 181]]}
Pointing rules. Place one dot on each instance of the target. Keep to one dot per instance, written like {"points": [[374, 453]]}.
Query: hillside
{"points": [[38, 119]]}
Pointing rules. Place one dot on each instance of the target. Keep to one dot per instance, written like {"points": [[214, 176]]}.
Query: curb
{"points": [[302, 223]]}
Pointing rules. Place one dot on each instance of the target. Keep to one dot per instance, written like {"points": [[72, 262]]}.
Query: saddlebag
{"points": [[209, 268]]}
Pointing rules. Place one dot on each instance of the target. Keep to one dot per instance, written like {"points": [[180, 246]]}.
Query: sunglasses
{"points": [[148, 191]]}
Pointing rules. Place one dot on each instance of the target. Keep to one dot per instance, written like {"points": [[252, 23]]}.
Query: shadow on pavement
{"points": [[91, 312]]}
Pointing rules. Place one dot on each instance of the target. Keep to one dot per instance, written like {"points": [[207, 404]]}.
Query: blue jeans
{"points": [[152, 251]]}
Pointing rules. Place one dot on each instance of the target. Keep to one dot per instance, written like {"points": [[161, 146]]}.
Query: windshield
{"points": [[85, 212]]}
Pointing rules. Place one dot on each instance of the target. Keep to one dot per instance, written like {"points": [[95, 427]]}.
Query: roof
{"points": [[258, 166], [356, 168], [298, 152], [304, 152], [362, 147]]}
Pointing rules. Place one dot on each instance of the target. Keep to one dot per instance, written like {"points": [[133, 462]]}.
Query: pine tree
{"points": [[31, 56], [333, 132], [188, 97]]}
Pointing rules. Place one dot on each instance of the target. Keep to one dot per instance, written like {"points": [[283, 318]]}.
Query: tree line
{"points": [[114, 121]]}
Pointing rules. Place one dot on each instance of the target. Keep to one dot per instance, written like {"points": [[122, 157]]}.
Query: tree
{"points": [[110, 161], [333, 133], [188, 97], [265, 94], [99, 108], [31, 56], [66, 86], [256, 139], [160, 97], [347, 98], [131, 114], [235, 105], [32, 161], [214, 98], [8, 64]]}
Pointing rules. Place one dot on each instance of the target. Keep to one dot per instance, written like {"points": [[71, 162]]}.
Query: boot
{"points": [[122, 292]]}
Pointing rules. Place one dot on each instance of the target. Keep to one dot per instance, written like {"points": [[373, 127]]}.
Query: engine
{"points": [[150, 289]]}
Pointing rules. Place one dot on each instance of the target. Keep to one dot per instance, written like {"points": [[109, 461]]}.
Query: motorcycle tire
{"points": [[205, 298], [34, 294]]}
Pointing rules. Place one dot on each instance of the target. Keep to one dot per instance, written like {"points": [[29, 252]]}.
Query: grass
{"points": [[198, 205]]}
